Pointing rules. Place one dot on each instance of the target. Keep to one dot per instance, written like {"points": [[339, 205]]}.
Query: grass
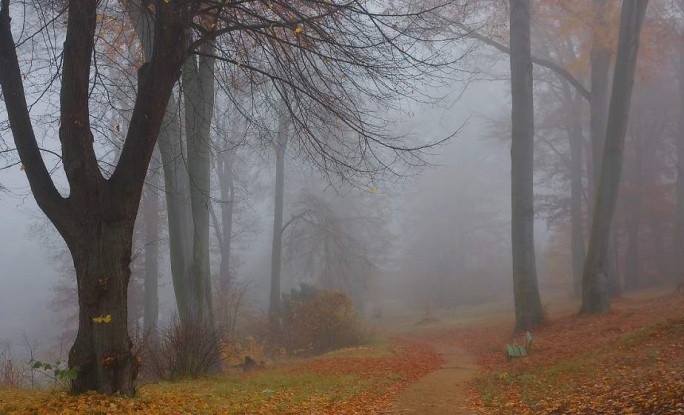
{"points": [[630, 360], [354, 380]]}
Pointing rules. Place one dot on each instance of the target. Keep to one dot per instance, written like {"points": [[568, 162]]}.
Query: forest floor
{"points": [[630, 360], [362, 380]]}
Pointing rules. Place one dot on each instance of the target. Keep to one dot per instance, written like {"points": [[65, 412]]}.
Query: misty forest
{"points": [[341, 207]]}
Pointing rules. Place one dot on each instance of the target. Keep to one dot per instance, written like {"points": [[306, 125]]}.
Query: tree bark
{"points": [[600, 59], [679, 225], [595, 284], [227, 185], [96, 220], [102, 350], [198, 92], [634, 203], [576, 190], [277, 246], [528, 309], [151, 205]]}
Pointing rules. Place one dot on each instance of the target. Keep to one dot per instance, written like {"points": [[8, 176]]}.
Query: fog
{"points": [[453, 210], [428, 230]]}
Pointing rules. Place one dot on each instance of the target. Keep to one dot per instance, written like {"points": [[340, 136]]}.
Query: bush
{"points": [[316, 321], [12, 373], [182, 351]]}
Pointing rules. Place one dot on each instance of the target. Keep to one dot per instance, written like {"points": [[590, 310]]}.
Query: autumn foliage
{"points": [[316, 321], [361, 380], [630, 360]]}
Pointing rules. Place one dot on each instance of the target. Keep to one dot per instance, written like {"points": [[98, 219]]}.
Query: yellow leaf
{"points": [[373, 190], [103, 319], [298, 30]]}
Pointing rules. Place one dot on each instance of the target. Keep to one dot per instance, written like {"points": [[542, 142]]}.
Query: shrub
{"points": [[12, 373], [182, 351], [316, 321]]}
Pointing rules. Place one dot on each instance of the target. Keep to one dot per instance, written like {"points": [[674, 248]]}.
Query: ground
{"points": [[630, 360]]}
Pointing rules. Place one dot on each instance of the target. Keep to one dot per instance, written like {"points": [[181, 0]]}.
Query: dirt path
{"points": [[442, 392]]}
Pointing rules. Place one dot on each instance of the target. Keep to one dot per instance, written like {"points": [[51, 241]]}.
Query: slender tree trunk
{"points": [[226, 183], [600, 58], [176, 180], [679, 225], [151, 205], [576, 218], [276, 249], [632, 268], [595, 290], [633, 204], [198, 91], [528, 309]]}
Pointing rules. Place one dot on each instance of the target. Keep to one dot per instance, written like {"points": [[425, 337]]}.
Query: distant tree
{"points": [[278, 207], [337, 243]]}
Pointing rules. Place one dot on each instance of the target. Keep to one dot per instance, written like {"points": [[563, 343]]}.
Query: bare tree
{"points": [[328, 49]]}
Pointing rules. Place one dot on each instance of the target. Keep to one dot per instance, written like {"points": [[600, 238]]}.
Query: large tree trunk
{"points": [[679, 225], [102, 350], [595, 284], [96, 220], [151, 204], [528, 309], [276, 248]]}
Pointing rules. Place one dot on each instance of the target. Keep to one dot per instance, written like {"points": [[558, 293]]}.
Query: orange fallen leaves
{"points": [[630, 360], [327, 385]]}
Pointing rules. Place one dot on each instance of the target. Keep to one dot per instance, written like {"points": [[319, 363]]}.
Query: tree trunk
{"points": [[198, 92], [97, 218], [595, 284], [102, 351], [277, 249], [528, 309], [176, 180], [600, 58], [226, 183], [576, 219], [679, 225], [151, 204], [179, 219], [633, 203]]}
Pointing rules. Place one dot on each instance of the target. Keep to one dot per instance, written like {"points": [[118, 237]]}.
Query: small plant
{"points": [[56, 372], [11, 373], [184, 350]]}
